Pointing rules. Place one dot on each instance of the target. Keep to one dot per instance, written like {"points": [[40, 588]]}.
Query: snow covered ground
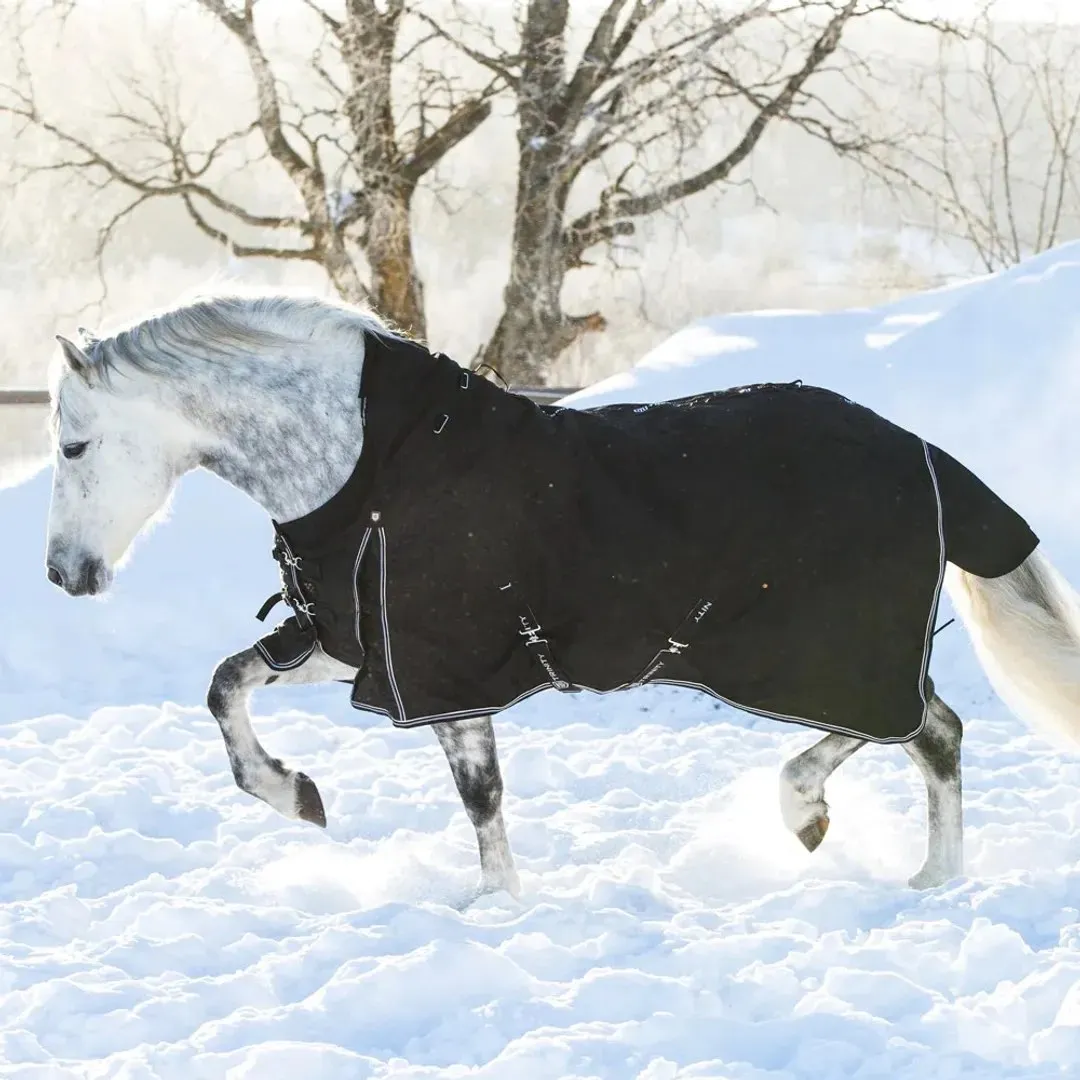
{"points": [[155, 922]]}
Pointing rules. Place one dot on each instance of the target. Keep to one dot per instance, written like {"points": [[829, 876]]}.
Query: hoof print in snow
{"points": [[309, 805], [812, 834]]}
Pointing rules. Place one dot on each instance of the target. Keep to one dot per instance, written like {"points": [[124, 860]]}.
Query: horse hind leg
{"points": [[469, 746], [936, 751], [802, 787]]}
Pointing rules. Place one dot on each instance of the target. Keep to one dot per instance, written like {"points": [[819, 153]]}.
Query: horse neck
{"points": [[288, 443]]}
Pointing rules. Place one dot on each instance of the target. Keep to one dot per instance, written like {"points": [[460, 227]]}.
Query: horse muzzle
{"points": [[83, 576]]}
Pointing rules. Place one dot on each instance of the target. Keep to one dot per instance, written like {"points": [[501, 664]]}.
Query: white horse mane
{"points": [[225, 327]]}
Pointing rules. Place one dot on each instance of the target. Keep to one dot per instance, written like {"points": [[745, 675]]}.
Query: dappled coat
{"points": [[777, 546]]}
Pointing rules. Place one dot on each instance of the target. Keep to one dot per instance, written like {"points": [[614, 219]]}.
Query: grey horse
{"points": [[262, 391]]}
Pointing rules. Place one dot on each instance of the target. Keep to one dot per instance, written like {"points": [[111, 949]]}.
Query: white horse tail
{"points": [[1025, 626]]}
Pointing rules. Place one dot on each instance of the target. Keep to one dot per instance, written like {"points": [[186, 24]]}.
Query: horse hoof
{"points": [[812, 834], [930, 878], [511, 886], [309, 805]]}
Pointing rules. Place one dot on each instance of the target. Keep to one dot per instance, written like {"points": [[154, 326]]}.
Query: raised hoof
{"points": [[309, 805], [811, 834]]}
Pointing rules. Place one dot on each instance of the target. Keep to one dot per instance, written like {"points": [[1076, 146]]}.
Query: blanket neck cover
{"points": [[776, 546]]}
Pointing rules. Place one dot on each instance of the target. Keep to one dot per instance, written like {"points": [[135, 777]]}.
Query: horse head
{"points": [[118, 457]]}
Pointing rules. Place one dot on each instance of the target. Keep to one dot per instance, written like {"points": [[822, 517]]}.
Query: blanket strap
{"points": [[530, 629], [292, 591], [678, 642], [271, 603]]}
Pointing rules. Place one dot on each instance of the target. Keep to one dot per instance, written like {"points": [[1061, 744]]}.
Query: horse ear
{"points": [[74, 357], [88, 336]]}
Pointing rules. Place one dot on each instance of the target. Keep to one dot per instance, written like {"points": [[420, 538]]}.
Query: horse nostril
{"points": [[54, 576]]}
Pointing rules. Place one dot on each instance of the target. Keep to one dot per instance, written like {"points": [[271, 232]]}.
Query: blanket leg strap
{"points": [[678, 643], [530, 629]]}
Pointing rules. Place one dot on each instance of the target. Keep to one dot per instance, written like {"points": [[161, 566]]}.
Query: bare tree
{"points": [[612, 116], [999, 162], [650, 83], [352, 163]]}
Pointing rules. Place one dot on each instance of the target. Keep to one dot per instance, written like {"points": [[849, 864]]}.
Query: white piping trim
{"points": [[942, 561], [386, 624], [356, 584], [464, 714], [801, 720], [283, 667], [783, 717]]}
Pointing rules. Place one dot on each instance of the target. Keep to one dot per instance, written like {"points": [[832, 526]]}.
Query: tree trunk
{"points": [[395, 284], [533, 329], [368, 37]]}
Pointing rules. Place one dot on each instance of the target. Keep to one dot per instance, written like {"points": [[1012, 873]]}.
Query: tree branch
{"points": [[461, 123], [269, 104], [500, 65], [332, 24], [602, 53], [152, 187], [245, 251], [594, 223]]}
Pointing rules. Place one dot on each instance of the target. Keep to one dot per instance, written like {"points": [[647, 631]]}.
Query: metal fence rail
{"points": [[24, 397], [540, 394]]}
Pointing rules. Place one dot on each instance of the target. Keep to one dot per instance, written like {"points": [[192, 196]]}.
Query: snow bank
{"points": [[154, 922]]}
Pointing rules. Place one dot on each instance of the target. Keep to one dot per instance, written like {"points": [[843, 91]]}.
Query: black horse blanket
{"points": [[777, 546]]}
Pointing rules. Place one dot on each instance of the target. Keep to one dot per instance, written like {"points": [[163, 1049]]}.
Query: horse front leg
{"points": [[469, 746], [802, 787], [289, 792]]}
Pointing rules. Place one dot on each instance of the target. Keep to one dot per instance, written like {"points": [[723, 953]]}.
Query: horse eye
{"points": [[74, 449]]}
